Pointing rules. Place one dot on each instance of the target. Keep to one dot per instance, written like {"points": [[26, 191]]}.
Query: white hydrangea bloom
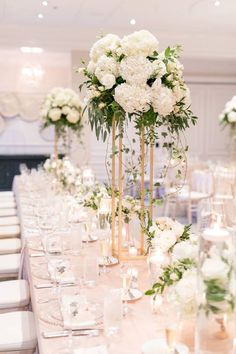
{"points": [[108, 43], [136, 70], [133, 98], [139, 43], [163, 100], [232, 116]]}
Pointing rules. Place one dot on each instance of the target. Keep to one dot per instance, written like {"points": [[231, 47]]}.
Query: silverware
{"points": [[50, 285], [131, 295], [80, 332], [38, 254]]}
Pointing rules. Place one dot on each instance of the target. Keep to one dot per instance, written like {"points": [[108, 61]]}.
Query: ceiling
{"points": [[204, 29]]}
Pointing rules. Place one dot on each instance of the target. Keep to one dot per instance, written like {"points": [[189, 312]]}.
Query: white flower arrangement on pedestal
{"points": [[129, 77], [228, 116], [62, 109]]}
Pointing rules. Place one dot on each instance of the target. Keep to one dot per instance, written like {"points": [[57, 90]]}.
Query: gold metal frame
{"points": [[117, 249]]}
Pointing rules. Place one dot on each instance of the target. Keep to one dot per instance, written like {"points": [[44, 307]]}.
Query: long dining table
{"points": [[138, 326]]}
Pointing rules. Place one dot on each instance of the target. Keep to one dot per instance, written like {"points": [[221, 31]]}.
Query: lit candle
{"points": [[133, 251], [216, 234]]}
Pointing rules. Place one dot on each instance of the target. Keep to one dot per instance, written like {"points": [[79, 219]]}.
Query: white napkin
{"points": [[101, 349], [84, 318], [66, 277]]}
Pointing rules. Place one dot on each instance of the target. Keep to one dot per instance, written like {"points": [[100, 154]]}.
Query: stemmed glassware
{"points": [[105, 245], [126, 276]]}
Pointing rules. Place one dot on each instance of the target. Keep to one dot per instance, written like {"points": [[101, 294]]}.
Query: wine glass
{"points": [[126, 276], [105, 245]]}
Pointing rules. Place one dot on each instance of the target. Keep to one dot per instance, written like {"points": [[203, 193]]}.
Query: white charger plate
{"points": [[159, 346]]}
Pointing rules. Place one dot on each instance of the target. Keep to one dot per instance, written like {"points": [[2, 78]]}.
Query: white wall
{"points": [[20, 136]]}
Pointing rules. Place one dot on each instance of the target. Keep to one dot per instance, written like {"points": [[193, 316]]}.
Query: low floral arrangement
{"points": [[178, 279], [65, 173], [62, 108], [180, 247], [228, 116], [130, 208], [93, 198]]}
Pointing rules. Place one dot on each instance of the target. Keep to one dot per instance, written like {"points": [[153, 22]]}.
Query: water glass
{"points": [[112, 311], [91, 270], [76, 239]]}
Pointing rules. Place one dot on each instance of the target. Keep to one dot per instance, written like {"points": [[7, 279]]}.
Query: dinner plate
{"points": [[159, 346], [133, 295], [110, 261], [53, 315], [91, 238]]}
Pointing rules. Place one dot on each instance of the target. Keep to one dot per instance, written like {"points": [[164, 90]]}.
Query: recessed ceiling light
{"points": [[35, 50], [40, 16], [133, 21], [45, 3], [217, 3]]}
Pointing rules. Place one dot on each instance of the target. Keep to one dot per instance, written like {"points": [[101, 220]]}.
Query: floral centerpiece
{"points": [[228, 116], [181, 250], [129, 81], [93, 198], [65, 173], [130, 76], [62, 109], [178, 278]]}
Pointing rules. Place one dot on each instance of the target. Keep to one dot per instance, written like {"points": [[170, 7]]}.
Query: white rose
{"points": [[106, 44], [166, 240], [232, 116], [186, 287], [55, 114], [178, 228], [91, 67], [183, 250], [73, 116], [65, 110], [214, 268], [108, 81]]}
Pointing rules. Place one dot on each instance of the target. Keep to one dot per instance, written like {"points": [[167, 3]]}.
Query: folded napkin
{"points": [[101, 349], [59, 270], [81, 316], [52, 244]]}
